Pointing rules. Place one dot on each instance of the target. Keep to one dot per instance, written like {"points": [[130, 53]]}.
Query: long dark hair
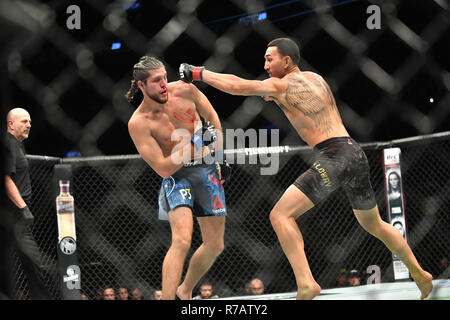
{"points": [[140, 73]]}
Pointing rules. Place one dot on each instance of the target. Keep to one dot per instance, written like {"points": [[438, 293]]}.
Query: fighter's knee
{"points": [[215, 247], [275, 217], [373, 228], [218, 249], [182, 242]]}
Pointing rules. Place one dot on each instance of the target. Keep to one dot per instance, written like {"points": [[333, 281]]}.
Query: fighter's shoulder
{"points": [[137, 122], [312, 76], [181, 88]]}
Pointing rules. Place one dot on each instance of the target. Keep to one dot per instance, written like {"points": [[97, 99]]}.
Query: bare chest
{"points": [[173, 125]]}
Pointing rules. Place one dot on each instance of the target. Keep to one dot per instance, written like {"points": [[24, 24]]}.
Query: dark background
{"points": [[73, 84]]}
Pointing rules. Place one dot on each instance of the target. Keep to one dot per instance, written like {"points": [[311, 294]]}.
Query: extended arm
{"points": [[230, 83]]}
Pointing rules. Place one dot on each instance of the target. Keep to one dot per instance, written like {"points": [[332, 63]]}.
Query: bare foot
{"points": [[309, 292], [182, 294], [425, 284]]}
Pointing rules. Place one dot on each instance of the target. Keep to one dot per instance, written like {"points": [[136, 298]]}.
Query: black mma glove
{"points": [[224, 170], [205, 135], [26, 216], [190, 73]]}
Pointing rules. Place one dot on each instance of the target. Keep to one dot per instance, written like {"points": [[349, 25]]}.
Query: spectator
{"points": [[256, 286], [157, 294], [354, 279], [123, 293], [136, 294], [342, 280], [99, 294], [84, 296], [206, 291], [444, 269], [109, 293]]}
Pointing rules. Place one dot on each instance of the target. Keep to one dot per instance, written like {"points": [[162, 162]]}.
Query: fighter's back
{"points": [[311, 108]]}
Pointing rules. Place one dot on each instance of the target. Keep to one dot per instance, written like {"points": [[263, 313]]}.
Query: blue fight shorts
{"points": [[199, 183]]}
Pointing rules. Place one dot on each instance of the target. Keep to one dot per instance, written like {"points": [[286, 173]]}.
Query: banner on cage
{"points": [[395, 203], [67, 241]]}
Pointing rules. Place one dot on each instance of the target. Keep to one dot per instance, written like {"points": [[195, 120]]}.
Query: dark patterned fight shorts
{"points": [[339, 162]]}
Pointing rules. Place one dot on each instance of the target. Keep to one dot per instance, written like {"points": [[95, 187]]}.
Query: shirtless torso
{"points": [[162, 131], [179, 112], [308, 103]]}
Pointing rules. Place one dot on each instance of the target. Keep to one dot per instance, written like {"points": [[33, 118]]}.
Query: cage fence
{"points": [[121, 242]]}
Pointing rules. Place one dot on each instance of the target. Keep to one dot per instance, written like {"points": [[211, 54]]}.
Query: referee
{"points": [[20, 219]]}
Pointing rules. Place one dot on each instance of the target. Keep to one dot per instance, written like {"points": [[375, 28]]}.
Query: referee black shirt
{"points": [[16, 165]]}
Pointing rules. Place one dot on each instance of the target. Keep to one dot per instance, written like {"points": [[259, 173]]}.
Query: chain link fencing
{"points": [[121, 242]]}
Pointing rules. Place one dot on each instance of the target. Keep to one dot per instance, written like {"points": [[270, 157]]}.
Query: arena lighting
{"points": [[264, 13], [72, 154], [253, 18], [116, 45], [132, 6]]}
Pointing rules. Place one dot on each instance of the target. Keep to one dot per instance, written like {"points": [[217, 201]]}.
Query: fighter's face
{"points": [[155, 86], [275, 64]]}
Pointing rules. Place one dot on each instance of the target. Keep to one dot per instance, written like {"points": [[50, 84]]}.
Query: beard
{"points": [[156, 97], [160, 100]]}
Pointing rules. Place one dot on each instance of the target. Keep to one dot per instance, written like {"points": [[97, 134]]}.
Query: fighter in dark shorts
{"points": [[339, 162], [309, 105]]}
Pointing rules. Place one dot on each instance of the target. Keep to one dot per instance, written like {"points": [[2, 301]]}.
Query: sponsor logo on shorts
{"points": [[221, 210], [218, 203], [323, 174], [218, 206], [214, 180], [185, 193]]}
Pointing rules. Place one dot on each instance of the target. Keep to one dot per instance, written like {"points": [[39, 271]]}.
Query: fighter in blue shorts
{"points": [[168, 133], [200, 183]]}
